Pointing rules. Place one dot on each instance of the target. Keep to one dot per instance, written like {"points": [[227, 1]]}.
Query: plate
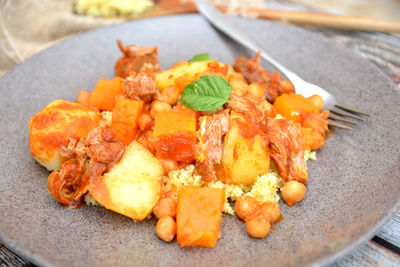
{"points": [[354, 185]]}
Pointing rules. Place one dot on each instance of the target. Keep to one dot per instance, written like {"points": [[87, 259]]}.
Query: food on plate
{"points": [[174, 134], [198, 216], [245, 153], [182, 144], [293, 192], [51, 129], [132, 186], [166, 228]]}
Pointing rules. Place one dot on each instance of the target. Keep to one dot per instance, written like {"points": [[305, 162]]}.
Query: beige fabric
{"points": [[29, 26]]}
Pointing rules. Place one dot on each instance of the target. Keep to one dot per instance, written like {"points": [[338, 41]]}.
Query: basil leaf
{"points": [[200, 57], [207, 93]]}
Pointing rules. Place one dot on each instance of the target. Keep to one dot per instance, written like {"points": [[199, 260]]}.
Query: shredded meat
{"points": [[75, 148], [141, 86], [136, 59], [87, 159], [287, 149], [209, 146], [250, 107], [256, 111], [255, 73]]}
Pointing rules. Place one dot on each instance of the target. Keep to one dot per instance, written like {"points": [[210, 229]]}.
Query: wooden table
{"points": [[384, 51]]}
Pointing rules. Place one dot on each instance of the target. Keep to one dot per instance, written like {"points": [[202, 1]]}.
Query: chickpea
{"points": [[170, 95], [258, 226], [246, 206], [166, 228], [165, 207], [255, 90], [146, 138], [292, 192], [287, 86], [238, 86], [168, 165], [236, 75], [317, 101], [271, 211], [145, 122], [159, 106]]}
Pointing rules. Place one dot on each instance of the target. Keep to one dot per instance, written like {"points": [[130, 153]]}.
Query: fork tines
{"points": [[340, 114]]}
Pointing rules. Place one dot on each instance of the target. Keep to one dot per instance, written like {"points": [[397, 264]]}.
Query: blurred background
{"points": [[29, 26], [384, 9]]}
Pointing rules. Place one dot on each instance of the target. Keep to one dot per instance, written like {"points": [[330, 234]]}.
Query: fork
{"points": [[340, 115]]}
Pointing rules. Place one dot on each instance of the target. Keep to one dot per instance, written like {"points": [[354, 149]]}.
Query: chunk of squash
{"points": [[243, 159], [83, 97], [175, 134], [289, 105], [105, 92], [124, 119], [132, 187], [199, 215]]}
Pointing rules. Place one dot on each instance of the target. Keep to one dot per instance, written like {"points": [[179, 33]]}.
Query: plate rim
{"points": [[326, 260]]}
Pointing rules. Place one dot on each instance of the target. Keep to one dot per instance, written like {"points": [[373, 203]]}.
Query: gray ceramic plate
{"points": [[353, 190]]}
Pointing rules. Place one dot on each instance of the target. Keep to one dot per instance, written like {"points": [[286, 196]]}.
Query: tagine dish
{"points": [[185, 144]]}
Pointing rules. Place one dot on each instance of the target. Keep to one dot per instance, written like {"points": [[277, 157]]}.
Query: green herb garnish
{"points": [[207, 93], [200, 57]]}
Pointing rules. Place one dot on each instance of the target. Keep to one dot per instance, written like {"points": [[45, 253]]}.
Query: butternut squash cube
{"points": [[175, 134], [289, 105], [124, 119], [105, 92], [199, 215]]}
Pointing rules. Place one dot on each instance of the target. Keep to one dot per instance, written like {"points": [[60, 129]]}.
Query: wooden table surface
{"points": [[384, 51]]}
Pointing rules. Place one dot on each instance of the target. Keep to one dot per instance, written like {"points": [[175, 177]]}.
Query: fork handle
{"points": [[224, 24]]}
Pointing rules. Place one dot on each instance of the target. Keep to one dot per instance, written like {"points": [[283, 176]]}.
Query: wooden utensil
{"points": [[168, 7]]}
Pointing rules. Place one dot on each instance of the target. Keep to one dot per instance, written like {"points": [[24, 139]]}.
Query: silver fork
{"points": [[340, 115]]}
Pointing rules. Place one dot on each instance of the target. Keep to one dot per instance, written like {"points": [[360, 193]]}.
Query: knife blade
{"points": [[225, 25]]}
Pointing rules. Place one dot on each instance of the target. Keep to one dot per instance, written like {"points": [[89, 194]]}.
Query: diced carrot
{"points": [[124, 119], [175, 134], [83, 97], [105, 92], [199, 215], [290, 105]]}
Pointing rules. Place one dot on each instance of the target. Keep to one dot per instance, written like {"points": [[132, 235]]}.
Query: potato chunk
{"points": [[51, 128], [132, 187], [243, 159], [184, 73]]}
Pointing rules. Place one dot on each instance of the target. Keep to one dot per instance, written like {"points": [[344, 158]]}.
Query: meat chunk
{"points": [[287, 149], [140, 86], [136, 59], [256, 109], [255, 73], [87, 158], [69, 184], [209, 146]]}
